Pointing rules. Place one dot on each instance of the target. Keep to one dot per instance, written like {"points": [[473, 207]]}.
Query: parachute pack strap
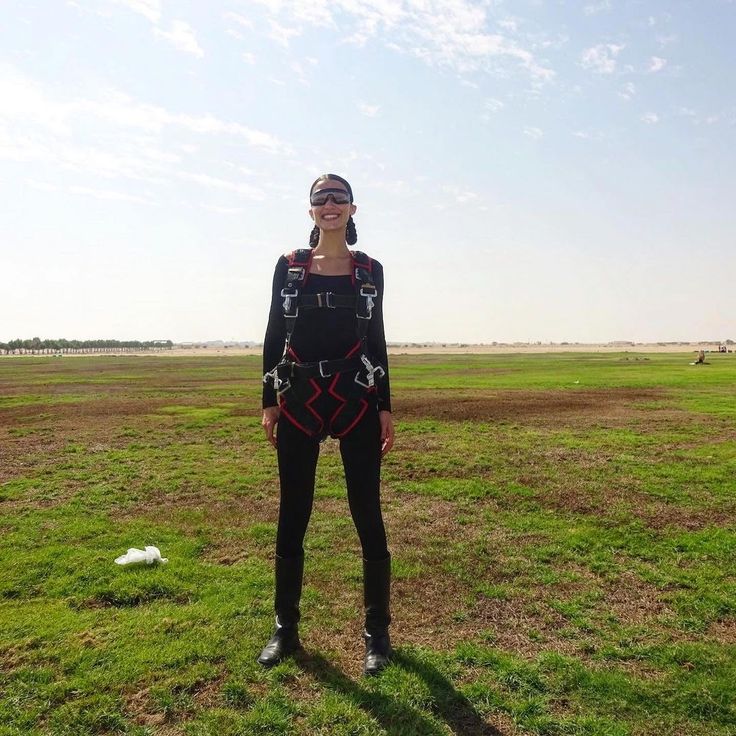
{"points": [[299, 262], [365, 291]]}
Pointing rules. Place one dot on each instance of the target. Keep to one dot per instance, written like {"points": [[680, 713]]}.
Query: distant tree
{"points": [[56, 345]]}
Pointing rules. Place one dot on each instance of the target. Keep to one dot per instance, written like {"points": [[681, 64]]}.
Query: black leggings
{"points": [[361, 458]]}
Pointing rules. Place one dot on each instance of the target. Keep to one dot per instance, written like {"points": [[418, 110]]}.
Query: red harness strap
{"points": [[295, 400]]}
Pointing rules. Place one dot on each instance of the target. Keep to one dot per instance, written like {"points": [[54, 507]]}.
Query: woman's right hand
{"points": [[270, 418]]}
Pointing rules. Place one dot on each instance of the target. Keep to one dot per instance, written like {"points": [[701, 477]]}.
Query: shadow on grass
{"points": [[398, 718]]}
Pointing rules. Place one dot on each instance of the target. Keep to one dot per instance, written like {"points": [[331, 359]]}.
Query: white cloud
{"points": [[300, 73], [589, 135], [123, 138], [664, 40], [650, 118], [105, 194], [150, 9], [109, 195], [656, 64], [697, 118], [598, 7], [509, 24], [241, 20], [370, 111], [182, 37], [534, 133], [461, 196], [601, 58], [86, 160], [222, 210], [465, 197], [627, 91], [491, 106], [450, 33], [281, 34], [213, 182], [180, 34], [249, 57]]}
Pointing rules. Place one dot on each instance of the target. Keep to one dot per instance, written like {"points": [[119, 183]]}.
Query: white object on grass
{"points": [[148, 555]]}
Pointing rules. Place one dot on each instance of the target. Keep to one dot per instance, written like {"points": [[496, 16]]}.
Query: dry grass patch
{"points": [[573, 407]]}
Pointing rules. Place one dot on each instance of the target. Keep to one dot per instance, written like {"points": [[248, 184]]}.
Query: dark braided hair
{"points": [[351, 234]]}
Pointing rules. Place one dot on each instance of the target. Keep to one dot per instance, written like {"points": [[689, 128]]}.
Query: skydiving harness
{"points": [[296, 383]]}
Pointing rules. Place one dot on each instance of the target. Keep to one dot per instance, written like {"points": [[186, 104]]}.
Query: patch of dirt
{"points": [[625, 497], [141, 710], [663, 515], [723, 632], [633, 601], [557, 407], [93, 407]]}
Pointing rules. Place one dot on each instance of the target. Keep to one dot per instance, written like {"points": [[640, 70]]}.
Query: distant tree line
{"points": [[36, 346]]}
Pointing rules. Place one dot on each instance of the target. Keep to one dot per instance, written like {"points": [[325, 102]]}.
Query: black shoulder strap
{"points": [[296, 276], [365, 291]]}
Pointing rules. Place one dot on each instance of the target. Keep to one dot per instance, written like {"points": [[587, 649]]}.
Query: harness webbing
{"points": [[297, 274], [291, 377]]}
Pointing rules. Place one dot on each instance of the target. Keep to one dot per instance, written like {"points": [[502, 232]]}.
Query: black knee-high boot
{"points": [[289, 574], [376, 597]]}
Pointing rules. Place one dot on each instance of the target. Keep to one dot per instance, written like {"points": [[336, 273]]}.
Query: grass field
{"points": [[563, 531]]}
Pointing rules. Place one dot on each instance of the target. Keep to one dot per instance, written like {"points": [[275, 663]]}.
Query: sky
{"points": [[538, 170]]}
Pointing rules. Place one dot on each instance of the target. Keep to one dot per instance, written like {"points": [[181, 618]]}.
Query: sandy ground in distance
{"points": [[457, 350]]}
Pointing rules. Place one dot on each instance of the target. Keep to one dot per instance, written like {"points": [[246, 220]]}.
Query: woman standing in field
{"points": [[326, 374]]}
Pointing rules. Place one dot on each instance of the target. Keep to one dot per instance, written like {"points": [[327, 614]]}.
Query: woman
{"points": [[326, 373]]}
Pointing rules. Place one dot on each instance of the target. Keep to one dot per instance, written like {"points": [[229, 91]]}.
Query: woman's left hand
{"points": [[387, 431]]}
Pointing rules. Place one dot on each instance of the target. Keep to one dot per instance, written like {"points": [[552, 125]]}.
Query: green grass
{"points": [[564, 552]]}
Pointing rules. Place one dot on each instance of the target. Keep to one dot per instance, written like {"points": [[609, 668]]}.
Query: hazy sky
{"points": [[531, 170]]}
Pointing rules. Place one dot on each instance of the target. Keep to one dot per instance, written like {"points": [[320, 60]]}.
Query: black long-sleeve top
{"points": [[324, 334]]}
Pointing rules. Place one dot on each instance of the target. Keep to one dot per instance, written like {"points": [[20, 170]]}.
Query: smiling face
{"points": [[331, 216]]}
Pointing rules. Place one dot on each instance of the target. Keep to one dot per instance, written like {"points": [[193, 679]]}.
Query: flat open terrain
{"points": [[563, 530]]}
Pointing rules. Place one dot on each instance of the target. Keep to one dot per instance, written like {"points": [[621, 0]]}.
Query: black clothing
{"points": [[361, 457], [289, 576], [324, 334], [328, 334]]}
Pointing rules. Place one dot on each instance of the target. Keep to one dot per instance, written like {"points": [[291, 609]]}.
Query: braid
{"points": [[314, 237], [351, 234]]}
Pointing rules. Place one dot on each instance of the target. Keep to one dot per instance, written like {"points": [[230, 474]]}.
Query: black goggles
{"points": [[339, 196]]}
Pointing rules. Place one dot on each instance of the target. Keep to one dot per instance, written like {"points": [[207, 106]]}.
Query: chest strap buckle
{"points": [[326, 299]]}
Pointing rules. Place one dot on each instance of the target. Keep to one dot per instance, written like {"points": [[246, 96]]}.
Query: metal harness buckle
{"points": [[370, 370], [326, 299], [288, 296], [372, 292], [321, 369], [273, 376]]}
